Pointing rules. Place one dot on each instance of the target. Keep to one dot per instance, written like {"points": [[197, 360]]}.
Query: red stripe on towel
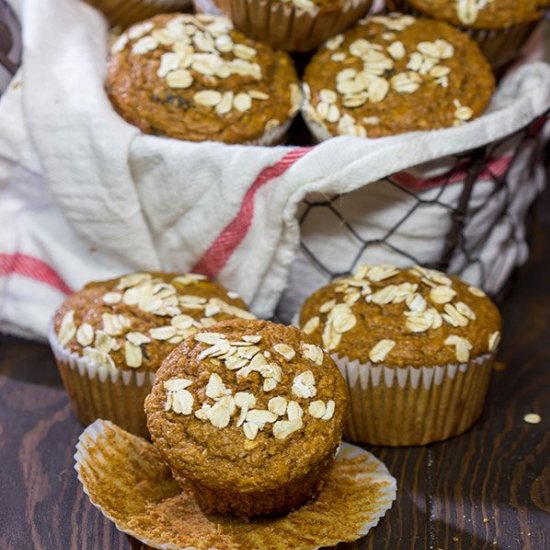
{"points": [[219, 252], [32, 268], [496, 168]]}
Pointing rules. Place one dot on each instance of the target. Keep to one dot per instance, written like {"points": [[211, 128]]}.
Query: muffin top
{"points": [[483, 14], [402, 317], [135, 321], [193, 77], [393, 74], [248, 404]]}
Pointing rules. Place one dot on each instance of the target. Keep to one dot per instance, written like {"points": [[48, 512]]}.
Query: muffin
{"points": [[110, 338], [501, 27], [394, 74], [127, 12], [416, 347], [249, 416], [127, 480], [195, 78], [293, 25]]}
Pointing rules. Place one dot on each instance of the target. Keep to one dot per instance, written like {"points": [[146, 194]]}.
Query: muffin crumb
{"points": [[532, 418]]}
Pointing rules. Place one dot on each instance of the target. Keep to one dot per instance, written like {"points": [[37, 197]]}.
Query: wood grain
{"points": [[42, 505], [488, 489], [493, 484]]}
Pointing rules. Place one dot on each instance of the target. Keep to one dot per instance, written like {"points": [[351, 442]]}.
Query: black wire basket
{"points": [[475, 210]]}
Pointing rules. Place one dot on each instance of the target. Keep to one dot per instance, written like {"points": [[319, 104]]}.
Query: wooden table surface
{"points": [[488, 489]]}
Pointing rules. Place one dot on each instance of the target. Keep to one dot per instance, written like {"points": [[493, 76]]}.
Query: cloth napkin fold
{"points": [[84, 195]]}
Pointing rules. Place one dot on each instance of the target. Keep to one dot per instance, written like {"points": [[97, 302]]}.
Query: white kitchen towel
{"points": [[85, 196]]}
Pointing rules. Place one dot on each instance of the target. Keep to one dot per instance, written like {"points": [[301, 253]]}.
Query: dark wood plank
{"points": [[491, 486], [42, 505], [406, 526]]}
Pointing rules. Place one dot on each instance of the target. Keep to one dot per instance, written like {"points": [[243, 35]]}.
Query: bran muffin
{"points": [[501, 27], [293, 25], [127, 480], [249, 415], [195, 78], [110, 338], [393, 74], [416, 347]]}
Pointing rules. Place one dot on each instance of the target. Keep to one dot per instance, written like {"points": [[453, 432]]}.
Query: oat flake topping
{"points": [[151, 295], [202, 46], [421, 314], [222, 407], [468, 10], [378, 76]]}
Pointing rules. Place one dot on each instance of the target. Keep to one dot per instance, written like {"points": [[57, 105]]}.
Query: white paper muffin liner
{"points": [[273, 136], [117, 468], [413, 405], [96, 391], [285, 26], [124, 13], [318, 130], [207, 6], [500, 46]]}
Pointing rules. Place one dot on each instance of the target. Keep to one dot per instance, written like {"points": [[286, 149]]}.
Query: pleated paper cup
{"points": [[96, 391], [276, 130], [127, 480], [124, 13], [500, 46], [318, 130], [413, 405], [273, 136], [209, 7], [284, 25]]}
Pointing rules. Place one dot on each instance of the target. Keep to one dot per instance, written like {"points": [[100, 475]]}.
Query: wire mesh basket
{"points": [[466, 214]]}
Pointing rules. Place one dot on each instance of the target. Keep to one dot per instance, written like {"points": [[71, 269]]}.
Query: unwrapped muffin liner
{"points": [[124, 13], [413, 405], [285, 26], [127, 480], [96, 391], [500, 46]]}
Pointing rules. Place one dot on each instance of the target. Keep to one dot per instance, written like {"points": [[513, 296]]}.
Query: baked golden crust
{"points": [[413, 317], [394, 74], [134, 322], [254, 436], [483, 14], [195, 78]]}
